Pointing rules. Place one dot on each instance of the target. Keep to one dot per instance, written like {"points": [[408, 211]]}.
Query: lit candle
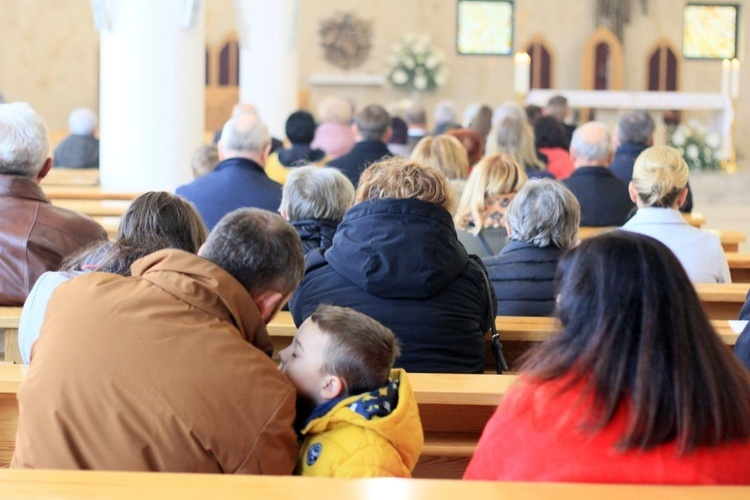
{"points": [[735, 87], [725, 71], [522, 73]]}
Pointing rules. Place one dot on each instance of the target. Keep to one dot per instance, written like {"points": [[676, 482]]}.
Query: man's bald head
{"points": [[245, 136], [591, 145]]}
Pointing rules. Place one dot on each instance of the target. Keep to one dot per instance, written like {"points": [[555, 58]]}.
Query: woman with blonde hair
{"points": [[480, 215], [447, 154], [396, 258], [515, 137], [659, 189]]}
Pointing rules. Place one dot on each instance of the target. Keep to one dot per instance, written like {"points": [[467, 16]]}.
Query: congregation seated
{"points": [[300, 130], [396, 258], [635, 133], [446, 154], [480, 216], [636, 388], [603, 197], [239, 180], [168, 369], [552, 142], [204, 160], [472, 142], [334, 132], [357, 417], [514, 136], [477, 118], [542, 222], [446, 117], [659, 188], [81, 148], [154, 221], [35, 235], [371, 130], [314, 201]]}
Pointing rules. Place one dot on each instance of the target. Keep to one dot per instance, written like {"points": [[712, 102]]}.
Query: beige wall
{"points": [[50, 49]]}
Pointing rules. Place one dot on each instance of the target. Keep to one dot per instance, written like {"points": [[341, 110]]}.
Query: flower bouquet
{"points": [[695, 144], [415, 65]]}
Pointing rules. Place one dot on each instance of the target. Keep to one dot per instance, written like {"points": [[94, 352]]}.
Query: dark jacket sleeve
{"points": [[742, 347], [745, 311]]}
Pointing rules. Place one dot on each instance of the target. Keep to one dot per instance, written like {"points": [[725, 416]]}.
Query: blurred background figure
{"points": [[81, 148]]}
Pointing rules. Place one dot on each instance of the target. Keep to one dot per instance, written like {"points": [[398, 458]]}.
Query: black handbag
{"points": [[501, 364]]}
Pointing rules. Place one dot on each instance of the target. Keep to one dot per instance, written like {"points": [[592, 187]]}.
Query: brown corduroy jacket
{"points": [[162, 371]]}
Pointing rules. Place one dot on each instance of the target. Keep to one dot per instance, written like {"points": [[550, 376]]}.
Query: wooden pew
{"points": [[71, 177], [518, 333], [99, 484], [739, 266], [110, 208], [730, 240], [722, 300], [84, 193], [454, 410]]}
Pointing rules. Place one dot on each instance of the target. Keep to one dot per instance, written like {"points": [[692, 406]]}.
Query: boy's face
{"points": [[303, 361]]}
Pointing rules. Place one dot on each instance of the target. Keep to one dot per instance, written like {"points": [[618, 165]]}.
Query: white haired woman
{"points": [[659, 189], [542, 222]]}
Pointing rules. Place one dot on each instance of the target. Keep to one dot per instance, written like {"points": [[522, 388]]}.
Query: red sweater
{"points": [[559, 163], [535, 436]]}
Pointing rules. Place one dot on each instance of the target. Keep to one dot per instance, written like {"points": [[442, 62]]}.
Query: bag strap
{"points": [[501, 365]]}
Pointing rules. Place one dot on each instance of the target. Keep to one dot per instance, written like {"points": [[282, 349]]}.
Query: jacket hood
{"points": [[390, 411], [397, 248], [206, 286]]}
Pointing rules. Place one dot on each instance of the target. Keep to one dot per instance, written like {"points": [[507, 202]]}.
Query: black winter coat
{"points": [[400, 262]]}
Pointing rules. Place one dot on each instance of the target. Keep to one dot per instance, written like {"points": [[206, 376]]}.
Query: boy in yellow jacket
{"points": [[365, 422]]}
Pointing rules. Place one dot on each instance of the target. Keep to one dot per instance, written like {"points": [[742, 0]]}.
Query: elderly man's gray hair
{"points": [[82, 121], [592, 142], [543, 213], [24, 140], [245, 133], [636, 127], [316, 193], [445, 112]]}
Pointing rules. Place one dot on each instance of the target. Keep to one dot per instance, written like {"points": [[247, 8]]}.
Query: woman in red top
{"points": [[636, 388], [552, 142]]}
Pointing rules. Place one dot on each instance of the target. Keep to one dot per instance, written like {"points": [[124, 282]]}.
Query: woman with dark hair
{"points": [[636, 388], [153, 221], [552, 142]]}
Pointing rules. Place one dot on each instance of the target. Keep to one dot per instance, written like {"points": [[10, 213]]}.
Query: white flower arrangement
{"points": [[696, 145], [415, 65]]}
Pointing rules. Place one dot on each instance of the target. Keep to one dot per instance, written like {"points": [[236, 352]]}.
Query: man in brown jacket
{"points": [[168, 370], [34, 235]]}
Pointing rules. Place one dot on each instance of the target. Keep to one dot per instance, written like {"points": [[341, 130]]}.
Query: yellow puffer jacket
{"points": [[365, 436]]}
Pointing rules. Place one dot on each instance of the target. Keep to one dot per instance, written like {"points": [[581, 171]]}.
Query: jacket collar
{"points": [[630, 149], [206, 286], [371, 146], [656, 215], [239, 162], [16, 186], [592, 171]]}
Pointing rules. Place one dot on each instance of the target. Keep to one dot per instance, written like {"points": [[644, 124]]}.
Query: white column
{"points": [[269, 59], [152, 92]]}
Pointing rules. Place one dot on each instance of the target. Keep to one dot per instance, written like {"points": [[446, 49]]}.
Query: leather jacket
{"points": [[35, 236]]}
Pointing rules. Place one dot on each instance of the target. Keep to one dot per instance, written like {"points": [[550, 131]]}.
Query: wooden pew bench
{"points": [[59, 192], [518, 333], [454, 410], [98, 484], [71, 177], [94, 208], [730, 240], [739, 266]]}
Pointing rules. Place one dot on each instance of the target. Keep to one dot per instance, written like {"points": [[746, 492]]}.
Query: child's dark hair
{"points": [[361, 351]]}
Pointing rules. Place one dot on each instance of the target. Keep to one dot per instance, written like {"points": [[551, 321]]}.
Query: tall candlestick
{"points": [[734, 90], [522, 73], [726, 69]]}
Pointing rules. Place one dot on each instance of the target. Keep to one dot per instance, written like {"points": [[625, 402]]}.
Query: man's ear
{"points": [[355, 132], [388, 135], [332, 387], [268, 303], [44, 171], [264, 155], [633, 193], [507, 227], [220, 150]]}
